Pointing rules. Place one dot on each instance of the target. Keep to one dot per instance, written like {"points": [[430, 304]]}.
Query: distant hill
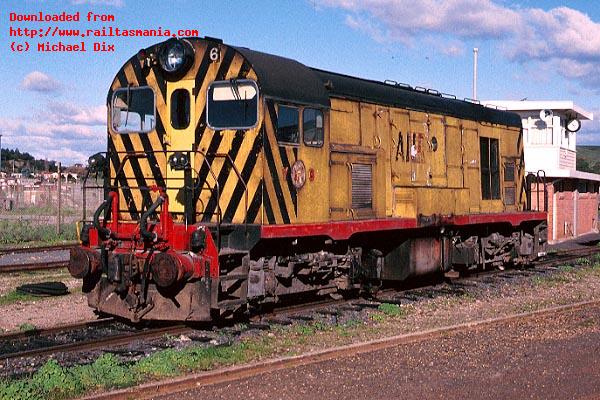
{"points": [[588, 159], [24, 162]]}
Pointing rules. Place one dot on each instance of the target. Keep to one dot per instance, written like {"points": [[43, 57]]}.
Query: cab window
{"points": [[288, 130], [232, 104], [133, 110], [312, 127]]}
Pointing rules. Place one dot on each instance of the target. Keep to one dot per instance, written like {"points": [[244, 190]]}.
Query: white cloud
{"points": [[403, 19], [40, 82], [114, 3], [61, 141], [566, 39], [69, 113]]}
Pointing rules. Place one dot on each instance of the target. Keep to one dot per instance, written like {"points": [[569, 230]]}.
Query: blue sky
{"points": [[53, 103]]}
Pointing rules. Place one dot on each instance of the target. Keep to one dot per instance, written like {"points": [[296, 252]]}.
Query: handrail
{"points": [[541, 178], [215, 189]]}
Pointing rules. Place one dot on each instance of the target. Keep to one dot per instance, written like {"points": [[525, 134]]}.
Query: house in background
{"points": [[550, 136]]}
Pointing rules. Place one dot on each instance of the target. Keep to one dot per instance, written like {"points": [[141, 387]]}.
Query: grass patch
{"points": [[583, 261], [14, 297], [388, 310], [27, 327], [21, 231], [54, 382], [566, 268], [43, 210]]}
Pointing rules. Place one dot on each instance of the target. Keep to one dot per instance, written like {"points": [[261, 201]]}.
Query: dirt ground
{"points": [[552, 357], [43, 312]]}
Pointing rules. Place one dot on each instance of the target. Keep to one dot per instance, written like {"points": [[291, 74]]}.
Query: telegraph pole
{"points": [[0, 152], [59, 199], [475, 52]]}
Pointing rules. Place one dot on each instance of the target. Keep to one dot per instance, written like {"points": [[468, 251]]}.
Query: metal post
{"points": [[59, 199], [475, 52], [0, 153]]}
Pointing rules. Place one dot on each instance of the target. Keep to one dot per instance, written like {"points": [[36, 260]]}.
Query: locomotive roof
{"points": [[287, 79]]}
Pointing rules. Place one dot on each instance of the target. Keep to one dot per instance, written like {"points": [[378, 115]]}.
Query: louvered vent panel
{"points": [[509, 196], [362, 181]]}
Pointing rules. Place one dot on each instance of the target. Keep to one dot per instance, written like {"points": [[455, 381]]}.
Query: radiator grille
{"points": [[362, 178], [509, 172]]}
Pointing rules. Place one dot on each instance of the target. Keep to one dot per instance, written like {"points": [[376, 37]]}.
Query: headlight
{"points": [[175, 56]]}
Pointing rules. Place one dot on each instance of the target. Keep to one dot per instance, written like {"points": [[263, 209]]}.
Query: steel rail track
{"points": [[36, 249], [55, 329], [99, 343], [36, 266]]}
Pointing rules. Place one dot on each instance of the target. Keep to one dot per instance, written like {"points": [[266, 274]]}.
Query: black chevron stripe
{"points": [[201, 74], [225, 64], [254, 206], [160, 81], [225, 170], [273, 167], [238, 192], [267, 204], [200, 128], [137, 172], [154, 167], [287, 166], [122, 180], [205, 169]]}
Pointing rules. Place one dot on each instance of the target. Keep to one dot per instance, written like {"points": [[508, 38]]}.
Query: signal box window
{"points": [[288, 130], [312, 127], [232, 104], [180, 109], [133, 110], [490, 170]]}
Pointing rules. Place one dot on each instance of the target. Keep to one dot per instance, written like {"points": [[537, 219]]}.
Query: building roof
{"points": [[568, 107], [571, 173]]}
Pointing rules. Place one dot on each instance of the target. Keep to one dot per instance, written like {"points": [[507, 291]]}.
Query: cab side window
{"points": [[312, 127], [288, 130]]}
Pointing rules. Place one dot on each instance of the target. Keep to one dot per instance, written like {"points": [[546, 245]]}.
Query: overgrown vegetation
{"points": [[22, 231]]}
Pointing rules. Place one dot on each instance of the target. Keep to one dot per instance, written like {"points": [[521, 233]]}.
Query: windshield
{"points": [[133, 110], [232, 104]]}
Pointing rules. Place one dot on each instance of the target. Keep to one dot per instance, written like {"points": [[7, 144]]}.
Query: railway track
{"points": [[117, 339], [39, 344], [34, 265], [36, 249]]}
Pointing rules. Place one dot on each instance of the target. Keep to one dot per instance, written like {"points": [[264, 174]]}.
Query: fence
{"points": [[40, 201]]}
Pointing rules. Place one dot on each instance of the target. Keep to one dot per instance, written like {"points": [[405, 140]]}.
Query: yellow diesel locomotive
{"points": [[235, 178]]}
